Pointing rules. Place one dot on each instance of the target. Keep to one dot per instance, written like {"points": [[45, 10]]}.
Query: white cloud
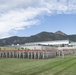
{"points": [[18, 14]]}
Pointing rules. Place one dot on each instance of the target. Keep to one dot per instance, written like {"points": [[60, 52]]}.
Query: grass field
{"points": [[54, 66], [8, 48], [11, 48]]}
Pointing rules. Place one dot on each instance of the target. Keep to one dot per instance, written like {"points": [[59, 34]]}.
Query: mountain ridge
{"points": [[60, 32], [42, 36]]}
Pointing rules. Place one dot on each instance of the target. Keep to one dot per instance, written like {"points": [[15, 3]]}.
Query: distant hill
{"points": [[43, 36], [60, 32]]}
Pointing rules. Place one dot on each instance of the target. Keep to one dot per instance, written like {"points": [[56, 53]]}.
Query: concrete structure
{"points": [[45, 45], [72, 44], [51, 45], [56, 42], [36, 47]]}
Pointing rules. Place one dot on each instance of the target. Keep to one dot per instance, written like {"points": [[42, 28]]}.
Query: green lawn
{"points": [[8, 48], [54, 66]]}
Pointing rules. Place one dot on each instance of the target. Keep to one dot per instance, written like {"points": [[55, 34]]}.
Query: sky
{"points": [[29, 17]]}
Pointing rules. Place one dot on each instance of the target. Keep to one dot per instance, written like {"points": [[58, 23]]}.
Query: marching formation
{"points": [[31, 54]]}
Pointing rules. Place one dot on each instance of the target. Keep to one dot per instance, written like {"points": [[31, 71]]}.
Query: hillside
{"points": [[43, 36]]}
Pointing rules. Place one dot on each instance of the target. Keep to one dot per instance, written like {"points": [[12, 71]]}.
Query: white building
{"points": [[47, 45], [56, 42], [37, 47], [72, 44]]}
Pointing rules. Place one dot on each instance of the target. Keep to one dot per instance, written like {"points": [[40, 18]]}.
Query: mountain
{"points": [[43, 36], [60, 33]]}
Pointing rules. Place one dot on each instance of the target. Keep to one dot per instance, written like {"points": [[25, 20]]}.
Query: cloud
{"points": [[16, 15]]}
